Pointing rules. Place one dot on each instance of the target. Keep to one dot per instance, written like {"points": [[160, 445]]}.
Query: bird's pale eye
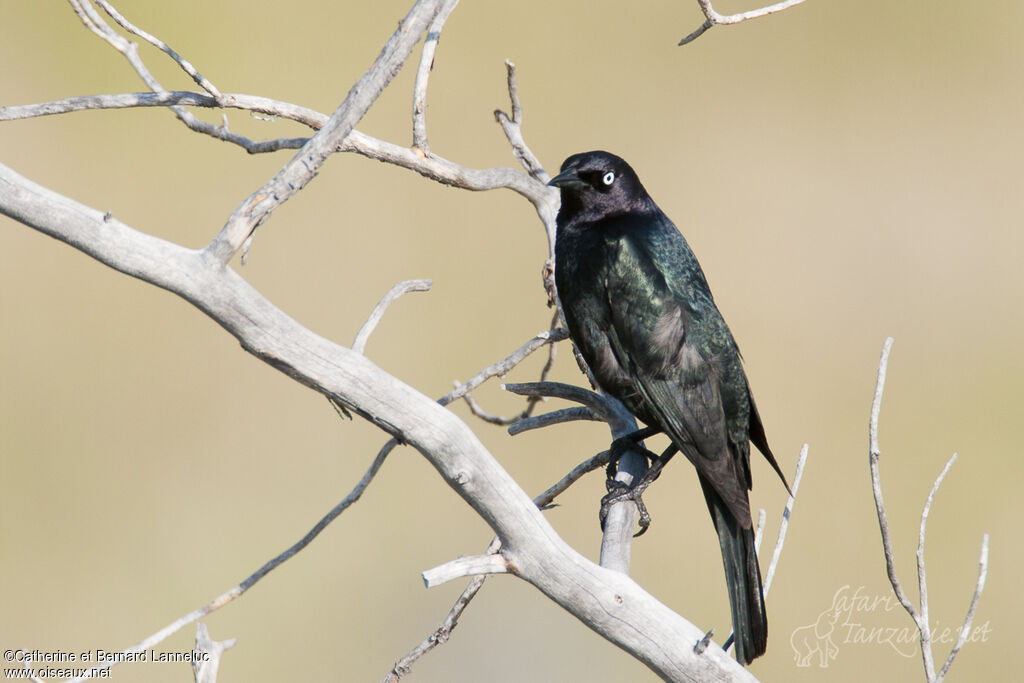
{"points": [[608, 178]]}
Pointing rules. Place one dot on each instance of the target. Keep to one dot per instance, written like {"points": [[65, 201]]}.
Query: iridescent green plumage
{"points": [[641, 314]]}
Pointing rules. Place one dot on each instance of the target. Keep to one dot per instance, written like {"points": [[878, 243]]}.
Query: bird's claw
{"points": [[619, 492]]}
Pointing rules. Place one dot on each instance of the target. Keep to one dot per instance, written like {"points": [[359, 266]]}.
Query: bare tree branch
{"points": [[441, 634], [611, 604], [419, 98], [237, 590], [512, 125], [569, 392], [920, 616], [404, 287], [531, 401], [608, 602], [471, 565], [505, 365], [922, 574], [92, 19], [617, 540], [254, 103], [431, 166], [553, 418], [206, 671], [784, 522], [876, 482], [713, 18], [185, 65], [965, 628], [303, 167]]}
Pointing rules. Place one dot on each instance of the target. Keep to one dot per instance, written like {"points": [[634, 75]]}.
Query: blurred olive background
{"points": [[844, 170]]}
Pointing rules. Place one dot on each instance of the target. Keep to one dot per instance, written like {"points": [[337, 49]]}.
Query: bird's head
{"points": [[598, 184]]}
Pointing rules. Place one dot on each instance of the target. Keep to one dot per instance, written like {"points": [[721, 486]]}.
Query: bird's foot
{"points": [[618, 492], [621, 445]]}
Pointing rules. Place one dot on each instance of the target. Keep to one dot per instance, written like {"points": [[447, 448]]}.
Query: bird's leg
{"points": [[626, 443], [618, 491]]}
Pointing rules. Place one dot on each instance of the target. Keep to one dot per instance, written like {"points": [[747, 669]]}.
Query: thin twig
{"points": [[512, 125], [404, 287], [441, 634], [419, 91], [92, 19], [429, 166], [922, 574], [503, 366], [920, 617], [236, 591], [876, 485], [713, 18], [253, 103], [303, 167], [185, 65], [493, 419], [531, 401], [569, 392], [205, 670], [784, 523], [965, 629], [545, 499], [554, 417]]}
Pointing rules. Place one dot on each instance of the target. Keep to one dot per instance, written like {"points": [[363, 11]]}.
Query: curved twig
{"points": [[402, 288]]}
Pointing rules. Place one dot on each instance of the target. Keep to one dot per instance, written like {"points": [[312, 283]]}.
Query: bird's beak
{"points": [[567, 178]]}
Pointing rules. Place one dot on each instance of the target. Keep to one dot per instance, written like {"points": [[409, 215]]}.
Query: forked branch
{"points": [[713, 18], [919, 615]]}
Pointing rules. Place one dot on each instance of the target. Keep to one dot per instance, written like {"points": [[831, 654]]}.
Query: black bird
{"points": [[641, 314]]}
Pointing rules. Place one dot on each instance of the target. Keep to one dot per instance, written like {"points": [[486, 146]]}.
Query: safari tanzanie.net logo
{"points": [[857, 617]]}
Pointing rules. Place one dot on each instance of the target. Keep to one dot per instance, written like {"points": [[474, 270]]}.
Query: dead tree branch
{"points": [[606, 601], [402, 288], [713, 18], [443, 632], [920, 616], [419, 97], [303, 167], [205, 671], [236, 591], [784, 522]]}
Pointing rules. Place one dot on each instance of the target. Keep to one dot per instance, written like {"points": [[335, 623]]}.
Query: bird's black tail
{"points": [[743, 578]]}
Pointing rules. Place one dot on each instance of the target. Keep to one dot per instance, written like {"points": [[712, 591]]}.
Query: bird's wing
{"points": [[673, 367]]}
